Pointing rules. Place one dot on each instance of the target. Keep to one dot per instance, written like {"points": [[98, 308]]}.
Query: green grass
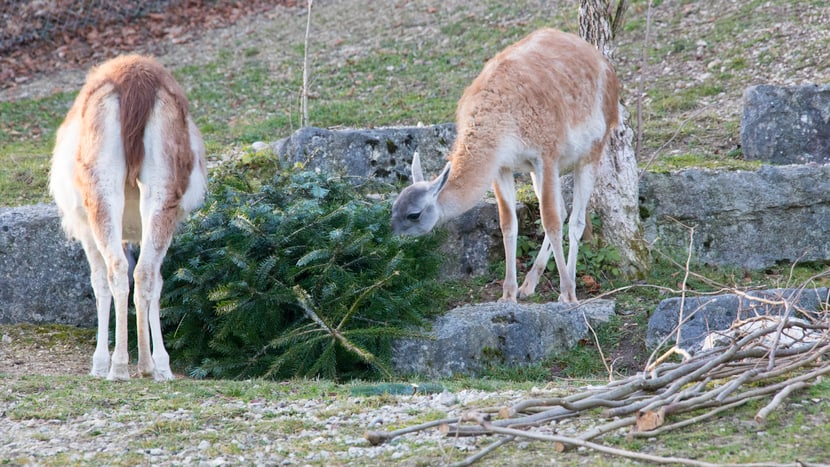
{"points": [[721, 47], [403, 82], [703, 161], [233, 106], [394, 85], [27, 133]]}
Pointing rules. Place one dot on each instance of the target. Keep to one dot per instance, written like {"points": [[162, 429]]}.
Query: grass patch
{"points": [[27, 132], [400, 83], [32, 122], [701, 161]]}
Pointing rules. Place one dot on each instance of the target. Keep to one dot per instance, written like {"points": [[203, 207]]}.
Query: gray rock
{"points": [[384, 154], [703, 315], [44, 278], [469, 338], [786, 124], [474, 241], [750, 219]]}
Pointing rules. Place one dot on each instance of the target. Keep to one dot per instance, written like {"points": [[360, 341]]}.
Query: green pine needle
{"points": [[299, 277]]}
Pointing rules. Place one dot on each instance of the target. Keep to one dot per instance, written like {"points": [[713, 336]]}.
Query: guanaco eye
{"points": [[414, 216]]}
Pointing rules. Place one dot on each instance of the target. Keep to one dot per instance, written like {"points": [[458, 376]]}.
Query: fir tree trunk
{"points": [[616, 195]]}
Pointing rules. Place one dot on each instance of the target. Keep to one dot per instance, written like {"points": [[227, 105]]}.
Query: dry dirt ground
{"points": [[42, 38], [27, 349]]}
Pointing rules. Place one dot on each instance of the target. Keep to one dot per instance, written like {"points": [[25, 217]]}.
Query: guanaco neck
{"points": [[474, 167]]}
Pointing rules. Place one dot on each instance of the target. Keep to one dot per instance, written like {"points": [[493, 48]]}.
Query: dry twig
{"points": [[305, 66]]}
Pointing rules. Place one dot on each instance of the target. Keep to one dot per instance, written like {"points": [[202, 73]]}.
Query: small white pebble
{"points": [[259, 146], [447, 398]]}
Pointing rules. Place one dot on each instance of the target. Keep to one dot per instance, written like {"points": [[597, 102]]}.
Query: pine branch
{"points": [[304, 300]]}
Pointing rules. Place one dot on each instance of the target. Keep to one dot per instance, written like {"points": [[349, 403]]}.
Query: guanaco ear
{"points": [[417, 173], [438, 184]]}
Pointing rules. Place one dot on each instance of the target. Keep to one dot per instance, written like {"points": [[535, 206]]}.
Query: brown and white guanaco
{"points": [[128, 164], [546, 104]]}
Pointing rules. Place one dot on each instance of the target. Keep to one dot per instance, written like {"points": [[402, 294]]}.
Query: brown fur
{"points": [[545, 105], [540, 83], [138, 81]]}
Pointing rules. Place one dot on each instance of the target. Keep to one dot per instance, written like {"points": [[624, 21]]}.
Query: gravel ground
{"points": [[327, 431], [52, 414]]}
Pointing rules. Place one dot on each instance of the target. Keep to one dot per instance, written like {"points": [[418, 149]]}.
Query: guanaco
{"points": [[545, 105], [128, 164]]}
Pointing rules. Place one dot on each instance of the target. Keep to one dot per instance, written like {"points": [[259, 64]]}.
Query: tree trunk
{"points": [[616, 196]]}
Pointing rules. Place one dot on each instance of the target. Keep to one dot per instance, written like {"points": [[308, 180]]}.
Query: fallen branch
{"points": [[778, 399], [597, 447], [691, 421], [481, 454], [376, 438]]}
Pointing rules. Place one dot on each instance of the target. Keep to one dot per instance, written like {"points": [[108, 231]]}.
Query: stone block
{"points": [[786, 124], [469, 338], [44, 277], [384, 154], [707, 314], [749, 219]]}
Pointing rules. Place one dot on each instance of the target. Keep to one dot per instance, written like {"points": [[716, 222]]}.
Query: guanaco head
{"points": [[416, 210]]}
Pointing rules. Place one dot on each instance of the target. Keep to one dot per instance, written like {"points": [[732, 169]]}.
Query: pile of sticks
{"points": [[762, 362]]}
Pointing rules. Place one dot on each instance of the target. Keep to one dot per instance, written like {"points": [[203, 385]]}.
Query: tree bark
{"points": [[616, 195]]}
